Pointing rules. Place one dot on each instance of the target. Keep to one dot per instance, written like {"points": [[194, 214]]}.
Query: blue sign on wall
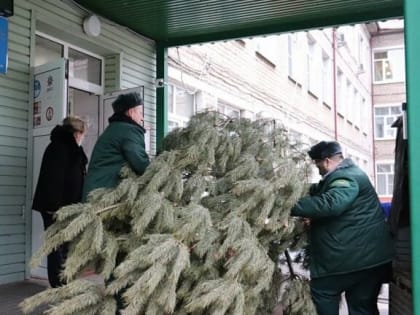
{"points": [[3, 44]]}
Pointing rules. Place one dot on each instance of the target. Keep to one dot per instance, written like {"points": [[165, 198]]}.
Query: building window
{"points": [[181, 106], [295, 58], [47, 50], [389, 66], [84, 67], [313, 76], [247, 114], [361, 52], [353, 107], [357, 109], [384, 118], [348, 101], [267, 48], [228, 110], [365, 112], [326, 79], [341, 97], [384, 178], [291, 48]]}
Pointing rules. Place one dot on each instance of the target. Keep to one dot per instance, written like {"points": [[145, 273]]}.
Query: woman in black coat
{"points": [[60, 182]]}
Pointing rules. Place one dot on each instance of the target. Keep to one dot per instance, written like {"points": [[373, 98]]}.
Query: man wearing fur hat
{"points": [[121, 143], [350, 246]]}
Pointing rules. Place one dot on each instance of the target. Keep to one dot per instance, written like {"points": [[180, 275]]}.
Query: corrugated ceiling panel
{"points": [[177, 22]]}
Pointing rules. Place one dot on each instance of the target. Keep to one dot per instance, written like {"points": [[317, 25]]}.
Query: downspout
{"points": [[161, 95], [334, 49], [373, 114]]}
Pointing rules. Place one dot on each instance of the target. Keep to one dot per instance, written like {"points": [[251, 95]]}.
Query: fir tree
{"points": [[198, 233]]}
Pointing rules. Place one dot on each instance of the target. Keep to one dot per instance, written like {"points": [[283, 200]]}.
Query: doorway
{"points": [[81, 91], [86, 106]]}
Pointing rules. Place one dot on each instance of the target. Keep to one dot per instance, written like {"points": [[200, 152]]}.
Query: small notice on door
{"points": [[48, 98], [37, 113], [49, 113]]}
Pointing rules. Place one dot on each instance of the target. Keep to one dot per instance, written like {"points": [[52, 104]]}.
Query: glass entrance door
{"points": [[85, 81], [86, 105]]}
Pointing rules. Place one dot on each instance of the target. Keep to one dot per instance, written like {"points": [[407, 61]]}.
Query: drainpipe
{"points": [[334, 49], [373, 115]]}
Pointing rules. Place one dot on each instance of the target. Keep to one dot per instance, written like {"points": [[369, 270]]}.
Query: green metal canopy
{"points": [[181, 22]]}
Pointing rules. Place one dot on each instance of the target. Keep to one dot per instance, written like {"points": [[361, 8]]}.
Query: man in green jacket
{"points": [[350, 246], [121, 143]]}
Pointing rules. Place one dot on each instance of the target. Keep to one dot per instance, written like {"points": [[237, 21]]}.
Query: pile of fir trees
{"points": [[200, 232]]}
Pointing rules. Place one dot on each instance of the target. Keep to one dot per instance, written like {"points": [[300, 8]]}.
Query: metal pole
{"points": [[412, 47], [161, 94]]}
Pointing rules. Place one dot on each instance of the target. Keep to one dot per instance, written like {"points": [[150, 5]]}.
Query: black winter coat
{"points": [[62, 173]]}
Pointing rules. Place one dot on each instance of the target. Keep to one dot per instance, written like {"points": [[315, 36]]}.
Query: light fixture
{"points": [[92, 25]]}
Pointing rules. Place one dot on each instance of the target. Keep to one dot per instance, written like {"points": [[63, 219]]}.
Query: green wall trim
{"points": [[161, 95], [412, 47]]}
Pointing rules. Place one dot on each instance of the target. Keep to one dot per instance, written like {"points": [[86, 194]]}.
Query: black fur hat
{"points": [[324, 149], [126, 101]]}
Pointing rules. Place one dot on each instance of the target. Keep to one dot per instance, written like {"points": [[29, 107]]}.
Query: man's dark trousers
{"points": [[361, 290]]}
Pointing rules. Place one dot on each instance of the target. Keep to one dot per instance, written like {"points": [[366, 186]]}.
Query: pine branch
{"points": [[109, 255], [56, 296], [164, 298], [68, 212], [235, 229], [108, 306], [297, 298], [108, 208], [217, 295], [87, 246], [193, 224], [73, 229], [85, 303], [140, 292], [174, 187], [144, 211]]}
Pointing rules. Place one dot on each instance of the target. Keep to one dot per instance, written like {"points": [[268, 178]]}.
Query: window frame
{"points": [[73, 82], [266, 47], [327, 84], [387, 49], [387, 116], [295, 66], [227, 105], [173, 116], [341, 91], [314, 77], [385, 162]]}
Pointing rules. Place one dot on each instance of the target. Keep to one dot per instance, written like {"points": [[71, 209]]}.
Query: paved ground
{"points": [[12, 294]]}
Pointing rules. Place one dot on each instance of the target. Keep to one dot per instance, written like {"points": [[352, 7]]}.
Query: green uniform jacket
{"points": [[348, 231], [121, 143]]}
